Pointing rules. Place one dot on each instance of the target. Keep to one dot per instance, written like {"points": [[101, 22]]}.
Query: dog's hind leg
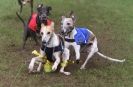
{"points": [[25, 37], [93, 49], [31, 4], [21, 7], [24, 41], [35, 38]]}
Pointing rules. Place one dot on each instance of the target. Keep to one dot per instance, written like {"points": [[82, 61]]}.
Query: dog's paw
{"points": [[82, 67], [67, 73], [54, 67], [30, 68], [38, 69], [30, 71]]}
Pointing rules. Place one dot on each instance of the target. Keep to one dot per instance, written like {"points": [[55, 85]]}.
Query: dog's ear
{"points": [[63, 17], [71, 15], [49, 8], [39, 7], [52, 26], [42, 25], [73, 18]]}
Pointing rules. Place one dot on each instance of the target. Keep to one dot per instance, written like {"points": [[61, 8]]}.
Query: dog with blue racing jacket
{"points": [[77, 36]]}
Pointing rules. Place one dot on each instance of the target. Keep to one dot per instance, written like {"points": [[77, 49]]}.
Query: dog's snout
{"points": [[44, 17], [68, 23], [43, 42], [62, 32], [41, 33]]}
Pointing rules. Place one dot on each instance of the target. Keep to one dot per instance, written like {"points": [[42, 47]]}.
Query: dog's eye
{"points": [[48, 33], [68, 23], [41, 33]]}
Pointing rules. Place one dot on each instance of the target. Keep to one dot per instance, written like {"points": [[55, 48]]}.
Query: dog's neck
{"points": [[54, 41], [71, 34]]}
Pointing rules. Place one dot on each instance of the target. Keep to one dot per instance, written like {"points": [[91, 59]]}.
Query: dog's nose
{"points": [[62, 32], [43, 42]]}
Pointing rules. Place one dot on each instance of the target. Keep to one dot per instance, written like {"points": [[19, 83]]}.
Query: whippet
{"points": [[70, 32], [53, 47], [34, 24]]}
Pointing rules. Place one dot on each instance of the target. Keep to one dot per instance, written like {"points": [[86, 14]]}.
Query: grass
{"points": [[110, 20]]}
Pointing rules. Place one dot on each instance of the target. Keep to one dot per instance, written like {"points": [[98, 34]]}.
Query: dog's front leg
{"points": [[33, 60], [57, 60], [39, 67], [31, 65], [77, 51], [65, 59], [40, 63]]}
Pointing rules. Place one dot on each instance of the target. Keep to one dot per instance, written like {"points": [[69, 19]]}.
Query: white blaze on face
{"points": [[46, 32]]}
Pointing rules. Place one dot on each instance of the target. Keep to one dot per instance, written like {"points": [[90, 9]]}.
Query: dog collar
{"points": [[69, 40], [49, 39]]}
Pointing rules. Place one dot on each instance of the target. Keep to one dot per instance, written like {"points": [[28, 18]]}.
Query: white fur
{"points": [[93, 49]]}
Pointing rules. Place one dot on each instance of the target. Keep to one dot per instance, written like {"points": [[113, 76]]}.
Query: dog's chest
{"points": [[50, 50]]}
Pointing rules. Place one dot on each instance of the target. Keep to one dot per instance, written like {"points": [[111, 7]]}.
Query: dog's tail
{"points": [[21, 19], [109, 58]]}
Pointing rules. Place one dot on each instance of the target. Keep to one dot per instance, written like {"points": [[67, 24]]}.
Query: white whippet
{"points": [[53, 48], [69, 31]]}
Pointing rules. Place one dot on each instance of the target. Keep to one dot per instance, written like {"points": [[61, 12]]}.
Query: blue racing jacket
{"points": [[82, 37]]}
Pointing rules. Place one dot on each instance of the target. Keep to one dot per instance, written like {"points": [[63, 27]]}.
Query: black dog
{"points": [[23, 2], [34, 24]]}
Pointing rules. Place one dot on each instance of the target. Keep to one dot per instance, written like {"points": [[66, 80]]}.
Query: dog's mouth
{"points": [[43, 19], [68, 31]]}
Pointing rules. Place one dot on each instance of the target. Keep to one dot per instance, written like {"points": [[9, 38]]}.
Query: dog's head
{"points": [[43, 13], [67, 23], [47, 32], [25, 1]]}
